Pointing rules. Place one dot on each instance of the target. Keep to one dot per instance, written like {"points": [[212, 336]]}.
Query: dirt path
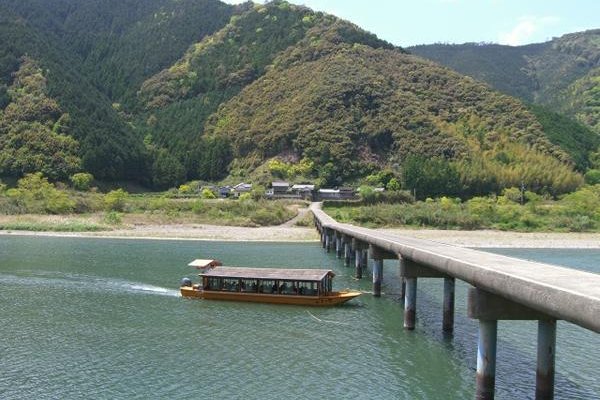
{"points": [[292, 222]]}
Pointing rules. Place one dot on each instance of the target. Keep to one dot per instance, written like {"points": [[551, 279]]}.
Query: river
{"points": [[102, 318]]}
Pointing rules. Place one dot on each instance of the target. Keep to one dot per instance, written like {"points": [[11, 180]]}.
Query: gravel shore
{"points": [[287, 233]]}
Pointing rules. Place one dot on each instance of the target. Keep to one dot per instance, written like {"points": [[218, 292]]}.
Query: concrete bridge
{"points": [[504, 288]]}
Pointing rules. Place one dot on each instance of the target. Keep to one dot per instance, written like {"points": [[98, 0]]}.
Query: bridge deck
{"points": [[562, 293]]}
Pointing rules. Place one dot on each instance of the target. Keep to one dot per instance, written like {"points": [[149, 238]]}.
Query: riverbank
{"points": [[290, 233]]}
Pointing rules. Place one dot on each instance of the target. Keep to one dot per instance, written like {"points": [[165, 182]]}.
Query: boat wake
{"points": [[149, 289], [77, 282]]}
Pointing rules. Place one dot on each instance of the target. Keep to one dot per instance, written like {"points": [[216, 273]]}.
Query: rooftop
{"points": [[269, 273], [200, 263]]}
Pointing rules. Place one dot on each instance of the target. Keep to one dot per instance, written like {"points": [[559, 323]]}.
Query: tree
{"points": [[430, 177], [115, 200], [214, 157], [592, 177], [165, 170], [82, 181], [34, 194]]}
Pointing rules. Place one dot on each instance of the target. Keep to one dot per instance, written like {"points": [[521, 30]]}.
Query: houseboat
{"points": [[308, 287]]}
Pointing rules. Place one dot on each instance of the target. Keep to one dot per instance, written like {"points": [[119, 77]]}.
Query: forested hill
{"points": [[562, 74], [94, 56], [164, 91]]}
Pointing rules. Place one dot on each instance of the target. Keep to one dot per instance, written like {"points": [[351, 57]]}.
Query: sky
{"points": [[512, 22]]}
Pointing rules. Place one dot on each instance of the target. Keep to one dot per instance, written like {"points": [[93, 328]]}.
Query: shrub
{"points": [[113, 218], [207, 194], [245, 197], [185, 189], [34, 194], [115, 200], [592, 177], [82, 181]]}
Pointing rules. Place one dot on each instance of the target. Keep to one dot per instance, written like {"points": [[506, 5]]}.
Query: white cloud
{"points": [[525, 29]]}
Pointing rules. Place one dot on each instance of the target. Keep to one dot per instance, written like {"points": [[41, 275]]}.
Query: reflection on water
{"points": [[103, 318]]}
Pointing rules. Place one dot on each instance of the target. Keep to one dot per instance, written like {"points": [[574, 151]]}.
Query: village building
{"points": [[241, 188]]}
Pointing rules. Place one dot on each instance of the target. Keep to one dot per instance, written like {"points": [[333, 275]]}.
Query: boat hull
{"points": [[333, 299]]}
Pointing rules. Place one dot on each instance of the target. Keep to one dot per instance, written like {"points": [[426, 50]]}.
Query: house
{"points": [[224, 191], [241, 188], [343, 193], [347, 193], [280, 187], [304, 191], [329, 194]]}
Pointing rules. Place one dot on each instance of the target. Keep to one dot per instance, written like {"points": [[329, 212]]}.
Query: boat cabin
{"points": [[273, 281]]}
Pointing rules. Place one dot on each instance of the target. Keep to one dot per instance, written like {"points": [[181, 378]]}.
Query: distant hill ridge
{"points": [[561, 74]]}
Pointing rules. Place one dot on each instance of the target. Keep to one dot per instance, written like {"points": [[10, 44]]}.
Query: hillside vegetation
{"points": [[353, 109], [164, 91], [561, 74]]}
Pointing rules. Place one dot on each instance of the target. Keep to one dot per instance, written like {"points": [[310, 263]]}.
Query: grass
{"points": [[46, 226], [576, 212]]}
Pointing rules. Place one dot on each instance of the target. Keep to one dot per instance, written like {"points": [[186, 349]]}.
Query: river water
{"points": [[101, 318]]}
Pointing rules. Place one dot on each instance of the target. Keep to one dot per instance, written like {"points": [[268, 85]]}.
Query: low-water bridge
{"points": [[504, 288]]}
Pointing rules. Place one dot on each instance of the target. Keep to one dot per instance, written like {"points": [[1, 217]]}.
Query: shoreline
{"points": [[294, 234]]}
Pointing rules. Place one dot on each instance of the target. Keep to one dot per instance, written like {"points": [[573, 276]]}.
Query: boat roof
{"points": [[200, 263], [269, 273]]}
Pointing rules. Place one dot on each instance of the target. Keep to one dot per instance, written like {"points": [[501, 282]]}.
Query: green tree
{"points": [[115, 200], [393, 185], [82, 181], [592, 177], [34, 194], [207, 194], [165, 170], [430, 177]]}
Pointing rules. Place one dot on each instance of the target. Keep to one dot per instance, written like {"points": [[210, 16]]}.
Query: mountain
{"points": [[561, 74], [353, 109], [167, 90], [94, 55]]}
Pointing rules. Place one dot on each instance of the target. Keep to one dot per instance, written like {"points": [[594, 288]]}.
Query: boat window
{"points": [[267, 286], [307, 288], [212, 283], [231, 285], [249, 285], [286, 287]]}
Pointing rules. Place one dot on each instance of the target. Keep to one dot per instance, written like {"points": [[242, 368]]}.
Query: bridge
{"points": [[503, 288]]}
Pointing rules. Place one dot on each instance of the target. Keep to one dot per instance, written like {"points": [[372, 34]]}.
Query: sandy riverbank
{"points": [[486, 238]]}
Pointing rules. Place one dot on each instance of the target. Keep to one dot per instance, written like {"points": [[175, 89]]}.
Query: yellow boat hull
{"points": [[333, 299]]}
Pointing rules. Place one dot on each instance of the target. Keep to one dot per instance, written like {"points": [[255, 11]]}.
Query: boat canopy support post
{"points": [[488, 308]]}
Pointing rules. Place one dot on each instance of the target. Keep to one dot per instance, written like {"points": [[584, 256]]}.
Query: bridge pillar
{"points": [[328, 240], [403, 289], [544, 381], [410, 271], [338, 245], [378, 255], [448, 319], [360, 250], [358, 263], [410, 303], [347, 241], [489, 308], [486, 359], [377, 276]]}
